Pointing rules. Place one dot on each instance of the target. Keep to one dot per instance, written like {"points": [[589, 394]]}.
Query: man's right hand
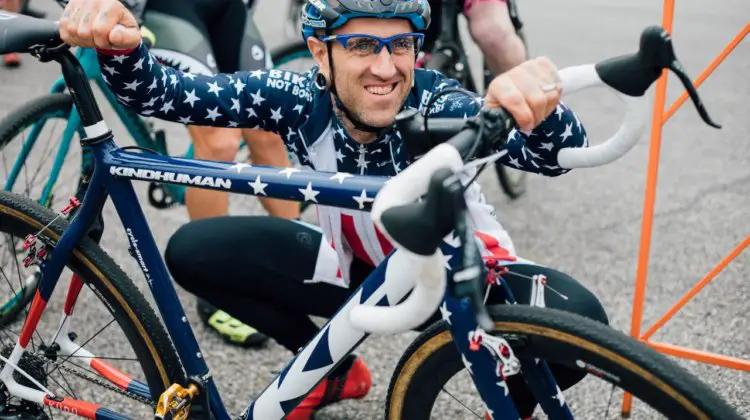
{"points": [[102, 24]]}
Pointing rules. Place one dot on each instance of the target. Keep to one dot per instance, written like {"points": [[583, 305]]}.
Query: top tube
{"points": [[339, 189]]}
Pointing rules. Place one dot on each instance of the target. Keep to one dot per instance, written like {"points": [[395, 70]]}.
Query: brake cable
{"points": [[483, 162]]}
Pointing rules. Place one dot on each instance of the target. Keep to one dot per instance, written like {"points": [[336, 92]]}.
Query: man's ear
{"points": [[319, 51]]}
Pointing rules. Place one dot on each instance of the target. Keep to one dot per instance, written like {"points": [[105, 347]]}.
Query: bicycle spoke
{"points": [[5, 165], [17, 334], [57, 333], [11, 340], [130, 359], [7, 280], [39, 336], [82, 345], [45, 155], [70, 388], [611, 394], [18, 271], [460, 402], [26, 173], [67, 180]]}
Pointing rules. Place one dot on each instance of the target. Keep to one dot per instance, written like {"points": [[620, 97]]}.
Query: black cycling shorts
{"points": [[206, 36]]}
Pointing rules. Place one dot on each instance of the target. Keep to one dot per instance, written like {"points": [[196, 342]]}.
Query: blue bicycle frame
{"points": [[113, 171]]}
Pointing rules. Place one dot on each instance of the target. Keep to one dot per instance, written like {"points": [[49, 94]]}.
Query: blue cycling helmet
{"points": [[331, 14]]}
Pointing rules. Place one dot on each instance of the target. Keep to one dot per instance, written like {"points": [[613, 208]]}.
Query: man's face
{"points": [[373, 87]]}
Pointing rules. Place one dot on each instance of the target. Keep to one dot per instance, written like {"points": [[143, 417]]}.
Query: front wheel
{"points": [[424, 373]]}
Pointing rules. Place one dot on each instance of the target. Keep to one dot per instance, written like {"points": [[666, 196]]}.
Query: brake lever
{"points": [[664, 56], [633, 74], [466, 280], [677, 69]]}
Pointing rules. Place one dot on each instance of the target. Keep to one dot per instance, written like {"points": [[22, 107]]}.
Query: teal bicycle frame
{"points": [[143, 135]]}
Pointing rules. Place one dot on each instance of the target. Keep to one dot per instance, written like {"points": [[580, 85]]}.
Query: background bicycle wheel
{"points": [[586, 223]]}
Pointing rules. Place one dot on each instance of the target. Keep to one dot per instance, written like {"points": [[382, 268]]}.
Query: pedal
{"points": [[174, 403]]}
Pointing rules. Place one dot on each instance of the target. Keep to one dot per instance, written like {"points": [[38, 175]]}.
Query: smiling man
{"points": [[273, 273]]}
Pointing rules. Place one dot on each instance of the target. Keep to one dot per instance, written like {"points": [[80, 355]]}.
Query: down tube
{"points": [[383, 287], [153, 267]]}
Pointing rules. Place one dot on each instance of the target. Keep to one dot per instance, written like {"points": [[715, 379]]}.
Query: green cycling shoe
{"points": [[232, 330]]}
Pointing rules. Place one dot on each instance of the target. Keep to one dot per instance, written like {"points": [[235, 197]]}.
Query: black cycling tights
{"points": [[254, 268]]}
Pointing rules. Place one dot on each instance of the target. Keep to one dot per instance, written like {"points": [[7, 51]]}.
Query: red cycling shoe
{"points": [[12, 60], [351, 379]]}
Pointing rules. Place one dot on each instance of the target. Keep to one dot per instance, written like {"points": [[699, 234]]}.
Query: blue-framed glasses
{"points": [[365, 45]]}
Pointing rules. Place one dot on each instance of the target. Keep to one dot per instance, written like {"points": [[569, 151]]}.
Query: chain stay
{"points": [[109, 386]]}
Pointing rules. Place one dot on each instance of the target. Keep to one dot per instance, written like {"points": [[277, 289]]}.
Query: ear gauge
{"points": [[320, 81]]}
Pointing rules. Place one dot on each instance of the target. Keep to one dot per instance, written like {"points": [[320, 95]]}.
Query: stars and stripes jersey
{"points": [[294, 106]]}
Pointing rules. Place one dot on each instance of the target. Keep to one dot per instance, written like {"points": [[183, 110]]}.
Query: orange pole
{"points": [[710, 69], [648, 205], [701, 356], [710, 276]]}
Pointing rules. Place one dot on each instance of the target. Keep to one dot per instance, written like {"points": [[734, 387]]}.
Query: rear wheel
{"points": [[419, 388], [114, 322]]}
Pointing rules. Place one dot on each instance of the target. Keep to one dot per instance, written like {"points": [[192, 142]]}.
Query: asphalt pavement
{"points": [[586, 223]]}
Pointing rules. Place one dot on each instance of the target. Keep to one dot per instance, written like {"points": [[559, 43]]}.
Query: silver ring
{"points": [[549, 88]]}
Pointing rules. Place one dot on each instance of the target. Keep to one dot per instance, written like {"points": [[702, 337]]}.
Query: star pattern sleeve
{"points": [[532, 152], [271, 100]]}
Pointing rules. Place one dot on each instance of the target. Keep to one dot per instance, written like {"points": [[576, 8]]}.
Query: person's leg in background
{"points": [[211, 143], [13, 59], [268, 149], [491, 28], [221, 144], [227, 23]]}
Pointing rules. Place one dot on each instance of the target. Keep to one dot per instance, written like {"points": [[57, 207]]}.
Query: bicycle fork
{"points": [[490, 359]]}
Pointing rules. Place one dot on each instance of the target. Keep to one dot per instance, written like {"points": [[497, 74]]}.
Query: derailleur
{"points": [[174, 403], [12, 408]]}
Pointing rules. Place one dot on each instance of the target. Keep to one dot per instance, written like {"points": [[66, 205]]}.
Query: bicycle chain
{"points": [[61, 366]]}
